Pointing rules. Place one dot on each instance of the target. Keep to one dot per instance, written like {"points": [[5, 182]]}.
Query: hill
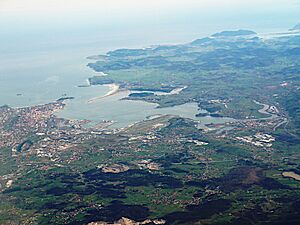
{"points": [[297, 27], [234, 33]]}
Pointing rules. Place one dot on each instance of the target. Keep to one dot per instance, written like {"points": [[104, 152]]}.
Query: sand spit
{"points": [[113, 89], [175, 91]]}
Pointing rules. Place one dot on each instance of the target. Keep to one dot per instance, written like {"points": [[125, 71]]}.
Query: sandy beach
{"points": [[113, 89], [175, 91]]}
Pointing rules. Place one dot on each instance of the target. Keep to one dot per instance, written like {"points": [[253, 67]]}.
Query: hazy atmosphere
{"points": [[117, 112]]}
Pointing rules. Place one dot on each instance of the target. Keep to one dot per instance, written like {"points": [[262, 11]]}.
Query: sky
{"points": [[54, 8], [56, 5]]}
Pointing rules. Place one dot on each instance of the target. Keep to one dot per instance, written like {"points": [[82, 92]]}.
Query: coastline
{"points": [[113, 89], [175, 91]]}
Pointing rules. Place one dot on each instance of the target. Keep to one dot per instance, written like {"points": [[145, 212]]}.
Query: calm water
{"points": [[44, 44], [125, 112]]}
